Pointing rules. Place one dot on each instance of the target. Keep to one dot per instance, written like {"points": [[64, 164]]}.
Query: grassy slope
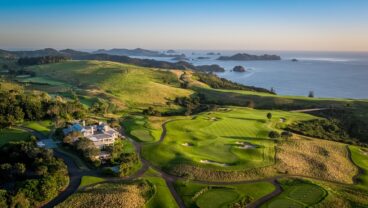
{"points": [[131, 84], [213, 136], [202, 195], [7, 135]]}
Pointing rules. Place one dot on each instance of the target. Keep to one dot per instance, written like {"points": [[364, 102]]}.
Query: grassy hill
{"points": [[132, 85]]}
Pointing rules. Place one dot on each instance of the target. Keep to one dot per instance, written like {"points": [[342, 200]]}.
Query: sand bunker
{"points": [[213, 163], [245, 145], [187, 144]]}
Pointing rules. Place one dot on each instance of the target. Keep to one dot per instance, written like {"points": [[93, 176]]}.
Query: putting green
{"points": [[297, 193], [217, 198], [204, 195], [231, 139], [308, 193], [142, 135]]}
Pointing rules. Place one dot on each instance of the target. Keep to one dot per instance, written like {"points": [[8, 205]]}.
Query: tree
{"points": [[3, 198], [87, 148], [311, 94], [250, 104], [41, 170], [273, 134], [19, 168], [286, 134], [272, 90], [269, 116]]}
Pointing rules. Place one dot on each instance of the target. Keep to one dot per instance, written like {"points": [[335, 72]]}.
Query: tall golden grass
{"points": [[321, 159], [109, 195]]}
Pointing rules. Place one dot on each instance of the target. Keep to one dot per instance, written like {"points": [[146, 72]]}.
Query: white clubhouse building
{"points": [[101, 135]]}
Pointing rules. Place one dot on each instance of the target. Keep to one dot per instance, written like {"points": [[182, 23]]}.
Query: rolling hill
{"points": [[132, 85]]}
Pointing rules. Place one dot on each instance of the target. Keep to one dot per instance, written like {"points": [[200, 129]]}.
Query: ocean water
{"points": [[327, 74]]}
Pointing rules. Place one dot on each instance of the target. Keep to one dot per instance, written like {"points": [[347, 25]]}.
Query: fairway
{"points": [[43, 127], [228, 139], [7, 135], [142, 134], [162, 196], [359, 156]]}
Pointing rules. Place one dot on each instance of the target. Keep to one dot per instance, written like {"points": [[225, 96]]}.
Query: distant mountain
{"points": [[133, 52], [72, 53], [249, 57], [213, 54], [37, 53], [7, 55], [79, 55], [170, 51]]}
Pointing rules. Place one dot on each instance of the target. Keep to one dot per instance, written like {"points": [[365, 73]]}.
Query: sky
{"points": [[317, 25]]}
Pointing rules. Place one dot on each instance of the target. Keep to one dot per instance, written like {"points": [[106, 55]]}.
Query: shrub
{"points": [[274, 134]]}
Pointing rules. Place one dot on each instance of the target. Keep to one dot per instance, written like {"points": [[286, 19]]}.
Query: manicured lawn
{"points": [[41, 126], [360, 158], [297, 193], [216, 139], [138, 128], [128, 146], [202, 195], [88, 180], [13, 134]]}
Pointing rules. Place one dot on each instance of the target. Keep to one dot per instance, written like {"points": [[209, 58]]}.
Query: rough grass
{"points": [[133, 85], [313, 158], [13, 134], [216, 137], [107, 195], [297, 193], [202, 195]]}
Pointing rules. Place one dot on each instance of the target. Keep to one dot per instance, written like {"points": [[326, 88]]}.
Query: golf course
{"points": [[185, 143]]}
